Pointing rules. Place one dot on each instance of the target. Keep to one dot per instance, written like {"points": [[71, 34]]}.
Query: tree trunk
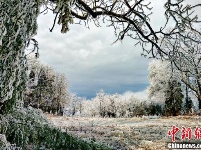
{"points": [[12, 80], [16, 29]]}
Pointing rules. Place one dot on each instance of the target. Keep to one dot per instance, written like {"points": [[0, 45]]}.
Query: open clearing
{"points": [[146, 133]]}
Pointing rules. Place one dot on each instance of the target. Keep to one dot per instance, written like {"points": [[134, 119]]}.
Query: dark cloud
{"points": [[89, 59]]}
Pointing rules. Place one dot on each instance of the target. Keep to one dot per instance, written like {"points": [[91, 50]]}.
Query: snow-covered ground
{"points": [[127, 133]]}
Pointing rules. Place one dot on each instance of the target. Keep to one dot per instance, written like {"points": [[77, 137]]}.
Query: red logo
{"points": [[173, 132], [197, 133], [186, 133]]}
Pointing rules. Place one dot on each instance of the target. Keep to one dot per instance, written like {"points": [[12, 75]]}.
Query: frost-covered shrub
{"points": [[29, 128], [21, 125], [5, 145]]}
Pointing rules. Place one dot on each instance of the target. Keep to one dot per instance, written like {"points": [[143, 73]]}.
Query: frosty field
{"points": [[145, 133]]}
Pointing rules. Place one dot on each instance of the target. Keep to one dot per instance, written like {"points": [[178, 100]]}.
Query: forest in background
{"points": [[167, 95]]}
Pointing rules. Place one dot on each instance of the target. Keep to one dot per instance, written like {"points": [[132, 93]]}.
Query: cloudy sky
{"points": [[89, 59]]}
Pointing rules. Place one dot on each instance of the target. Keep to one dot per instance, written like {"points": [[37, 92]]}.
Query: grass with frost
{"points": [[126, 133]]}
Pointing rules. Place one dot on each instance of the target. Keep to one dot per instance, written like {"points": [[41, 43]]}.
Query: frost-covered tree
{"points": [[135, 107], [165, 86], [159, 76], [60, 93], [185, 56], [88, 108], [107, 104], [112, 107], [188, 103], [115, 105], [121, 106], [46, 89], [101, 96], [40, 86], [18, 25], [131, 18], [75, 106], [173, 98]]}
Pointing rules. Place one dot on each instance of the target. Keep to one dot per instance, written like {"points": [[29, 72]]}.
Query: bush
{"points": [[29, 128]]}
